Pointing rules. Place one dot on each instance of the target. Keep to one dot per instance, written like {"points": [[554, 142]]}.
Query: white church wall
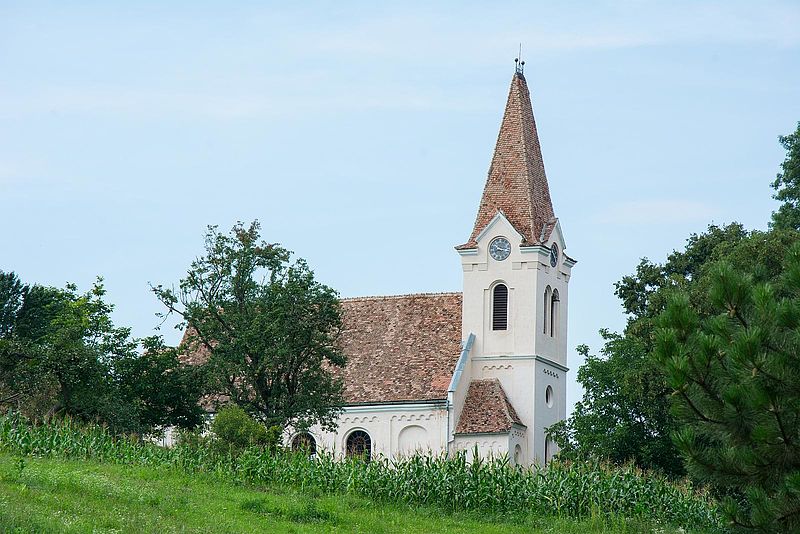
{"points": [[488, 445], [552, 346], [518, 446], [547, 375], [394, 430]]}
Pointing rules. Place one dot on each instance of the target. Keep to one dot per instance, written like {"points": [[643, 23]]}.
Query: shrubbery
{"points": [[236, 429], [563, 490]]}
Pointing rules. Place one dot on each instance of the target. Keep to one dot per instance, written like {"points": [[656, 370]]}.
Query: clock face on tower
{"points": [[499, 248], [554, 255]]}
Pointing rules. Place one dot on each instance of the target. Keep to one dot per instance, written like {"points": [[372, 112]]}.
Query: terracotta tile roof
{"points": [[400, 348], [517, 184], [486, 409]]}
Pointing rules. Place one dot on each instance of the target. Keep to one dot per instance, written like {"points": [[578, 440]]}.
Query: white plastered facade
{"points": [[528, 356]]}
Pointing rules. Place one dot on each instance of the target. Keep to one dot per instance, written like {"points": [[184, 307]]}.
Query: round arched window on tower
{"points": [[548, 396]]}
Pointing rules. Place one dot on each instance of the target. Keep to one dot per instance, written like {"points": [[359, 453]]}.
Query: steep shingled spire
{"points": [[517, 184]]}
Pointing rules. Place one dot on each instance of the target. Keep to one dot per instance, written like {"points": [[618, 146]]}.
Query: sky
{"points": [[360, 134]]}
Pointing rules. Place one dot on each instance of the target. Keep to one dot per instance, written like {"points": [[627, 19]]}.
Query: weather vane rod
{"points": [[519, 64]]}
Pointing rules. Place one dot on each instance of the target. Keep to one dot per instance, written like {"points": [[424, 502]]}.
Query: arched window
{"points": [[548, 396], [554, 313], [546, 308], [500, 307], [359, 444], [304, 442], [517, 454]]}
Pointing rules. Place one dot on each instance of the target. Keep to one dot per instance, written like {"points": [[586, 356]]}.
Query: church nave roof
{"points": [[400, 348]]}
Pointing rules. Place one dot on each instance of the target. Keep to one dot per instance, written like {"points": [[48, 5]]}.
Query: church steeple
{"points": [[517, 184]]}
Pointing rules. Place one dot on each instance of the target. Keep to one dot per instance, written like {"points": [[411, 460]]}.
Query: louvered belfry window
{"points": [[500, 307]]}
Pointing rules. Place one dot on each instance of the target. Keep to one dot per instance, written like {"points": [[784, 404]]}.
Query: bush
{"points": [[236, 429]]}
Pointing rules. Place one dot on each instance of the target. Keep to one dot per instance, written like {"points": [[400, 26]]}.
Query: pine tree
{"points": [[736, 380]]}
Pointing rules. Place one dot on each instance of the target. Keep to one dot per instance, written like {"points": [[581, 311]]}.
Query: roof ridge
{"points": [[401, 296]]}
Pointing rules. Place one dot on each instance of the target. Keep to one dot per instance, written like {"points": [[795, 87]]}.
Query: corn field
{"points": [[564, 490]]}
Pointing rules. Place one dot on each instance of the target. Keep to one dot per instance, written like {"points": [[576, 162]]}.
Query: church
{"points": [[483, 369]]}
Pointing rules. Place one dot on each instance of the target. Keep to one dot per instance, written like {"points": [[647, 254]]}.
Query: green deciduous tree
{"points": [[61, 354], [787, 184], [624, 414], [269, 329], [735, 372], [625, 411]]}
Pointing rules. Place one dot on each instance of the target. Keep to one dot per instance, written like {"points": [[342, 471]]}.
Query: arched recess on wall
{"points": [[358, 444], [546, 308], [500, 307], [549, 451], [305, 442], [413, 439], [518, 459], [554, 315]]}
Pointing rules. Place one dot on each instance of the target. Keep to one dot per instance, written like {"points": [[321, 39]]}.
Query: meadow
{"points": [[47, 470]]}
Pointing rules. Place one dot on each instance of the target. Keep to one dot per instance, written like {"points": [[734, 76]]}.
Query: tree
{"points": [[735, 373], [624, 414], [270, 330], [61, 354], [787, 184], [625, 411]]}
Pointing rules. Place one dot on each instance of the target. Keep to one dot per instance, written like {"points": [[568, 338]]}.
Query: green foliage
{"points": [[578, 490], [736, 376], [787, 184], [269, 328], [625, 411], [624, 414], [60, 354], [238, 430]]}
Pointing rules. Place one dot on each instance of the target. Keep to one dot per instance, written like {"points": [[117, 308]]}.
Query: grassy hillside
{"points": [[64, 472], [53, 495]]}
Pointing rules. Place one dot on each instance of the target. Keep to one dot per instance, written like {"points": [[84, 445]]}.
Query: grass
{"points": [[57, 495]]}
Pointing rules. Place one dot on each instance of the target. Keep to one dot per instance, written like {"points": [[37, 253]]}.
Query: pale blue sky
{"points": [[360, 134]]}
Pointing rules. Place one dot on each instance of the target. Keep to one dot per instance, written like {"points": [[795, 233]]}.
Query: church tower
{"points": [[516, 276]]}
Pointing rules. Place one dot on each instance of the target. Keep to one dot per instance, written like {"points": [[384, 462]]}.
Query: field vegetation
{"points": [[591, 492], [44, 495]]}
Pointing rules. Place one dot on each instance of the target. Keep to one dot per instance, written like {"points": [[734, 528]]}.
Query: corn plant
{"points": [[569, 490]]}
